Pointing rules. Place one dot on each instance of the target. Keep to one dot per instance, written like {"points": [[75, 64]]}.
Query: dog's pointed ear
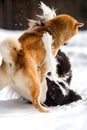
{"points": [[79, 24]]}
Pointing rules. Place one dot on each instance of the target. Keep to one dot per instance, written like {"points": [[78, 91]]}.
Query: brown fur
{"points": [[32, 55], [65, 27]]}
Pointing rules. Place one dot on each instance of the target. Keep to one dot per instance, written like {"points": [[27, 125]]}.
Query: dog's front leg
{"points": [[36, 93]]}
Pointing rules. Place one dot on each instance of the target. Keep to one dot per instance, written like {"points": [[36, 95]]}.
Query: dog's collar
{"points": [[42, 23], [52, 30]]}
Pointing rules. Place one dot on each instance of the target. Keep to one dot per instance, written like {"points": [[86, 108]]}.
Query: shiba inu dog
{"points": [[25, 63]]}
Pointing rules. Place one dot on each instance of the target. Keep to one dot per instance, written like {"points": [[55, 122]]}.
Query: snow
{"points": [[17, 114]]}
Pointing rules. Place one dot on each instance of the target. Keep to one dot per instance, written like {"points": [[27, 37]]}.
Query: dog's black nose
{"points": [[65, 44]]}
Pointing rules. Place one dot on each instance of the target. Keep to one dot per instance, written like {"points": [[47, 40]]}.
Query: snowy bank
{"points": [[15, 114]]}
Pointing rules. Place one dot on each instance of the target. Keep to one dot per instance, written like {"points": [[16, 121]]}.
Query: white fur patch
{"points": [[21, 84], [44, 91], [49, 59], [51, 62], [48, 13]]}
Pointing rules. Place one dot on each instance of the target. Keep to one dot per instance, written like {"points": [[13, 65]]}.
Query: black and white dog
{"points": [[55, 96]]}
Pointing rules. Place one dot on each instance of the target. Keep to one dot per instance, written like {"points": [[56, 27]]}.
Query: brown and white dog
{"points": [[25, 63]]}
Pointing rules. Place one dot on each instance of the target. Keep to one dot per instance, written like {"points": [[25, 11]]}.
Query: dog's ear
{"points": [[77, 25]]}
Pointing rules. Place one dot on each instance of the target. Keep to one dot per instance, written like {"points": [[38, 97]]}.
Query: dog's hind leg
{"points": [[35, 85], [36, 93]]}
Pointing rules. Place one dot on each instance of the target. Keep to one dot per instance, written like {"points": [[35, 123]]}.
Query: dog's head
{"points": [[65, 26]]}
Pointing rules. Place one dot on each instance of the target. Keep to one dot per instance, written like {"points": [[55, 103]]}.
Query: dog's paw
{"points": [[45, 109], [47, 40]]}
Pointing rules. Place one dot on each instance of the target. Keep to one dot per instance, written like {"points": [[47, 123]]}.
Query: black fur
{"points": [[64, 66], [55, 95]]}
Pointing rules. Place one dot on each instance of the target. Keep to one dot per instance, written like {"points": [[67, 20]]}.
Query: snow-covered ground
{"points": [[15, 114]]}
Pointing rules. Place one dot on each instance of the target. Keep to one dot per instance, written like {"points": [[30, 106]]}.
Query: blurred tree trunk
{"points": [[14, 13], [1, 14], [7, 14]]}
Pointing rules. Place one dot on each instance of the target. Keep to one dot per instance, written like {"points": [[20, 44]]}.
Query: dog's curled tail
{"points": [[8, 47], [8, 44]]}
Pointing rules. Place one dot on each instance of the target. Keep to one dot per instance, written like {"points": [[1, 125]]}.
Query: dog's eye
{"points": [[65, 44]]}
